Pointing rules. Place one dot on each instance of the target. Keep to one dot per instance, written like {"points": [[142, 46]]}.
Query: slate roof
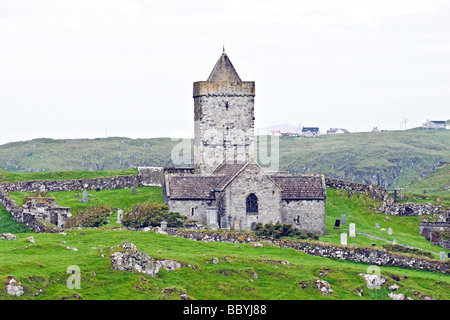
{"points": [[226, 172], [224, 71], [300, 186], [192, 187]]}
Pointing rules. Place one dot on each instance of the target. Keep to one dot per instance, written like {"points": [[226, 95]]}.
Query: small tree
{"points": [[144, 215]]}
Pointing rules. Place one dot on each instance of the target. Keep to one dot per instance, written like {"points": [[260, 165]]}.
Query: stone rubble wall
{"points": [[387, 202], [444, 243], [370, 256], [53, 186], [26, 218], [118, 182]]}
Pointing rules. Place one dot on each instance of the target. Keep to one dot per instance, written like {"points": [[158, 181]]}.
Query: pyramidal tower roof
{"points": [[224, 70]]}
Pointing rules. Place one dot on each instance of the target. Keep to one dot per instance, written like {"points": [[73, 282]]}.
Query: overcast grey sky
{"points": [[71, 69]]}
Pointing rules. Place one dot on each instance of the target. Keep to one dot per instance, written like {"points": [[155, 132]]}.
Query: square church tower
{"points": [[224, 118]]}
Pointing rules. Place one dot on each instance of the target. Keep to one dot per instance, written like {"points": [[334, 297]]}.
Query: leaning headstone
{"points": [[442, 255], [352, 230], [343, 239], [133, 190], [343, 218], [390, 231], [119, 216], [85, 197], [337, 223]]}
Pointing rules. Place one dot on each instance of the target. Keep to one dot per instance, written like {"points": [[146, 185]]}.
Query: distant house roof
{"points": [[301, 186], [334, 130], [438, 121], [311, 129]]}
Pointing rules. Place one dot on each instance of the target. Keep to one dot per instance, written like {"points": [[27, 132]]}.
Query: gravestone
{"points": [[136, 183], [42, 188], [212, 218], [237, 224], [223, 222], [442, 255], [337, 223], [85, 197], [119, 216], [377, 225], [343, 218], [390, 231], [394, 241], [343, 239], [133, 190], [164, 225], [352, 230]]}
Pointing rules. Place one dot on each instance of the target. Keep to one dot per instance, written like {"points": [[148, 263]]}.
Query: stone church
{"points": [[227, 188]]}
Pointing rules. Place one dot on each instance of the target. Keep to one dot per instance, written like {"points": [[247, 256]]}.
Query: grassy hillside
{"points": [[41, 267], [437, 183], [389, 159]]}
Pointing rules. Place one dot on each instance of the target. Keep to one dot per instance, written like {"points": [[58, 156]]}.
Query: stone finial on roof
{"points": [[224, 70]]}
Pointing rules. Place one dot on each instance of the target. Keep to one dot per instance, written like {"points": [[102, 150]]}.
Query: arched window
{"points": [[252, 204]]}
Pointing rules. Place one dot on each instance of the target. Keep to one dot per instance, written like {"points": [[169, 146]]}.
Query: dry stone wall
{"points": [[71, 185], [371, 256]]}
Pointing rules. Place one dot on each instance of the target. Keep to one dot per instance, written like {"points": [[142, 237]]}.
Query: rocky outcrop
{"points": [[324, 287], [128, 258], [8, 236], [14, 288]]}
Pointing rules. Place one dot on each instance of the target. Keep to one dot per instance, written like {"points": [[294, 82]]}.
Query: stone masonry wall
{"points": [[223, 123], [387, 203], [371, 256], [310, 215], [253, 180], [192, 209], [23, 217], [71, 185]]}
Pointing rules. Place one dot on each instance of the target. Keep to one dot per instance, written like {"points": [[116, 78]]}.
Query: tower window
{"points": [[252, 204], [226, 105], [228, 129]]}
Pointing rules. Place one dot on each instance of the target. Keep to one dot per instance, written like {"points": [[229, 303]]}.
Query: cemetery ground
{"points": [[242, 271]]}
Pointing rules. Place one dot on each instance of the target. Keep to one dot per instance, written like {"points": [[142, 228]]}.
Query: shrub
{"points": [[144, 215], [278, 230], [43, 194], [91, 217]]}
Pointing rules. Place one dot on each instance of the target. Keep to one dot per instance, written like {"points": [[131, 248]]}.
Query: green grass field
{"points": [[41, 267]]}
